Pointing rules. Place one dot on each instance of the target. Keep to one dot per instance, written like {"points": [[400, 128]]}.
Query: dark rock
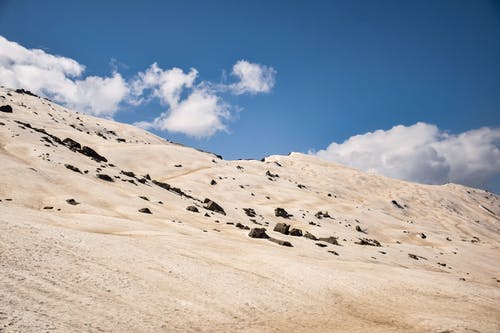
{"points": [[242, 226], [213, 206], [172, 189], [423, 236], [282, 228], [321, 245], [310, 236], [144, 198], [213, 182], [448, 239], [120, 140], [178, 165], [331, 240], [145, 211], [87, 151], [395, 203], [71, 144], [104, 177], [301, 186], [27, 92], [296, 232], [358, 229], [72, 202], [413, 256], [370, 242], [72, 168], [280, 212], [333, 252], [48, 207], [142, 180], [280, 242], [192, 209], [250, 212], [128, 173], [147, 177], [320, 215], [258, 233], [6, 108], [272, 175]]}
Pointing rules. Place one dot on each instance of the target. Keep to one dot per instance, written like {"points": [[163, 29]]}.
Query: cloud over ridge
{"points": [[422, 153], [193, 108]]}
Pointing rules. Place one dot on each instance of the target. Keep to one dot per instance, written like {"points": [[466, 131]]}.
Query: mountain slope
{"points": [[77, 254]]}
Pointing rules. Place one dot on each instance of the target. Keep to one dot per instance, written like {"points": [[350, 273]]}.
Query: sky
{"points": [[407, 89]]}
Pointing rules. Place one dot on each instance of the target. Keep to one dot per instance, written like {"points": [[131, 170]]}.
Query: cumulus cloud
{"points": [[253, 78], [192, 108], [423, 153], [59, 78]]}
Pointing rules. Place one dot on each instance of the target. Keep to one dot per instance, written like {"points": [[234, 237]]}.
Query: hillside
{"points": [[106, 227]]}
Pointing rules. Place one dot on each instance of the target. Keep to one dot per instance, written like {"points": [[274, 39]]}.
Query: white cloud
{"points": [[57, 78], [195, 109], [423, 153], [253, 78]]}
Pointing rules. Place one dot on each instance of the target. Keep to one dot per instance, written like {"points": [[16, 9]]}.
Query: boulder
{"points": [[71, 144], [242, 226], [72, 168], [280, 212], [105, 177], [258, 233], [296, 232], [310, 236], [213, 182], [87, 151], [6, 108], [145, 211], [213, 206], [282, 228], [72, 202], [193, 209]]}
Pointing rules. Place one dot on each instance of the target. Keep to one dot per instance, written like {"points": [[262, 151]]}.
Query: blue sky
{"points": [[342, 68]]}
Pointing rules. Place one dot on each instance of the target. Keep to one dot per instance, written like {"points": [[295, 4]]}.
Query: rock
{"points": [[144, 198], [320, 215], [120, 140], [413, 256], [280, 242], [321, 245], [87, 151], [71, 144], [301, 186], [213, 182], [423, 236], [272, 175], [395, 203], [72, 168], [280, 212], [178, 165], [331, 240], [296, 232], [250, 212], [48, 207], [213, 206], [27, 92], [6, 108], [310, 236], [128, 173], [242, 226], [192, 209], [282, 228], [72, 202], [333, 252], [145, 211], [105, 177], [370, 242], [358, 229], [258, 233]]}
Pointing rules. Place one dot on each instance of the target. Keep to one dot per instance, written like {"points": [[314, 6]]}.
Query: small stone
{"points": [[72, 202], [258, 233], [192, 209], [145, 211], [282, 228], [6, 108], [281, 242]]}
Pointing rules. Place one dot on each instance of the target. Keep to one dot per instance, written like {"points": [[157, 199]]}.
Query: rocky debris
{"points": [[169, 188], [395, 203], [280, 242], [145, 211], [416, 257], [321, 245], [128, 173], [87, 151], [213, 206], [333, 252], [282, 228], [48, 207], [423, 236], [358, 229], [25, 92], [296, 232], [120, 140], [6, 108], [72, 202], [310, 236], [301, 186], [331, 240], [144, 198], [71, 144], [271, 176], [440, 264], [193, 209], [213, 182], [320, 215], [367, 241], [105, 177], [250, 212], [242, 226], [280, 212], [258, 233], [72, 168]]}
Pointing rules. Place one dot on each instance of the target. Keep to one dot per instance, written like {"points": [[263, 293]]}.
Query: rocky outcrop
{"points": [[145, 211], [369, 242]]}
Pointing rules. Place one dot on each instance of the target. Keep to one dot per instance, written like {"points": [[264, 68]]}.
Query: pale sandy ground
{"points": [[103, 266]]}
